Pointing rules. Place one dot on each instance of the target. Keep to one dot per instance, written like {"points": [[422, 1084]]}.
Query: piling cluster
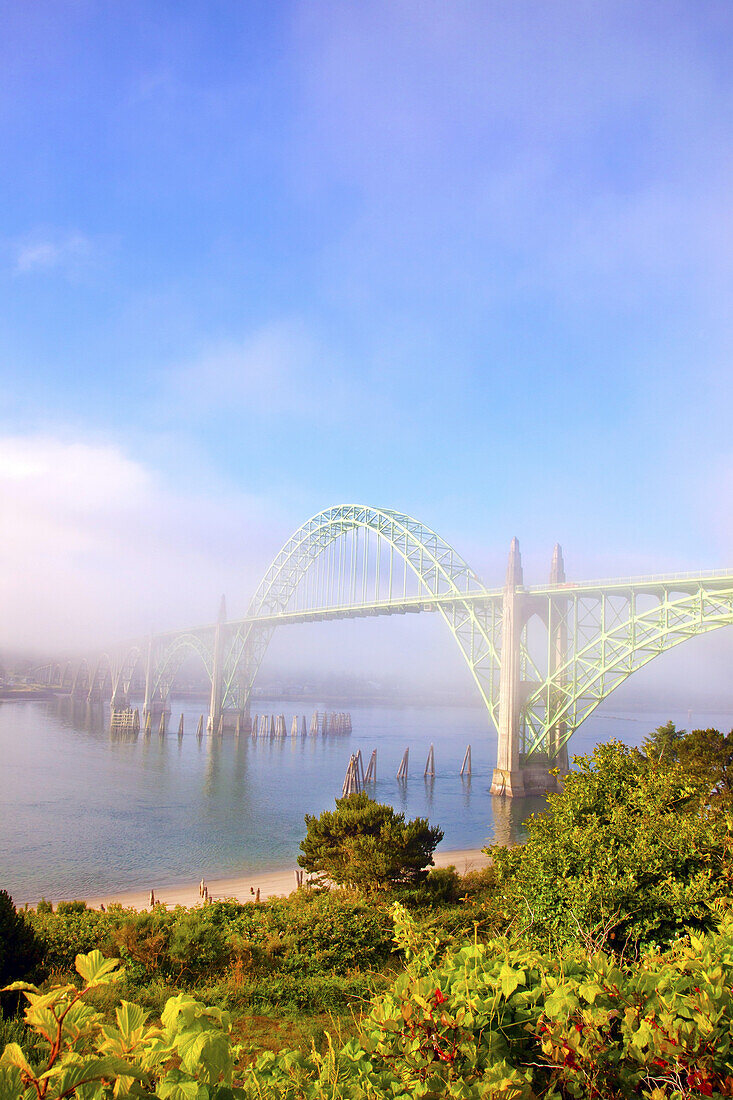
{"points": [[325, 724], [356, 778], [125, 720]]}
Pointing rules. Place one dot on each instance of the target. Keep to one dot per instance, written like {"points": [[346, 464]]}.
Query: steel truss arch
{"points": [[169, 661], [437, 567], [611, 639]]}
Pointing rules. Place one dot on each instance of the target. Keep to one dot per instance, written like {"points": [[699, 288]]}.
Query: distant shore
{"points": [[244, 887]]}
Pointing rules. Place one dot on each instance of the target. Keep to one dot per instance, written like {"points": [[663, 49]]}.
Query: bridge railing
{"points": [[644, 578]]}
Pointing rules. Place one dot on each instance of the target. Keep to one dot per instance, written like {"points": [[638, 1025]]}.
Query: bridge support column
{"points": [[508, 778], [215, 703], [148, 700], [558, 652]]}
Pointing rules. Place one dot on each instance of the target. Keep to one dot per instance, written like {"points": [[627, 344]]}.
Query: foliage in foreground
{"points": [[368, 845], [494, 1020], [310, 951]]}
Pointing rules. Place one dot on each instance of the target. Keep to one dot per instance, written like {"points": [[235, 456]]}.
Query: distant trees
{"points": [[367, 845]]}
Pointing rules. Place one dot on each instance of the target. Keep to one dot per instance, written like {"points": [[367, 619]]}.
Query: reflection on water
{"points": [[83, 810]]}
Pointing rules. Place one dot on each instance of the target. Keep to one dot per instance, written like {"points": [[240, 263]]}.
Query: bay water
{"points": [[86, 812]]}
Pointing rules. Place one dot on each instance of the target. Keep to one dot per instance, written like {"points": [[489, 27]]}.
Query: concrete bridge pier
{"points": [[508, 777], [217, 674], [514, 776]]}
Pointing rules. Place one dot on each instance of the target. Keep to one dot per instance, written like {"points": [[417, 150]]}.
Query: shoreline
{"points": [[244, 887]]}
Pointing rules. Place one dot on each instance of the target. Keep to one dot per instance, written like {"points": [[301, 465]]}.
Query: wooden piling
{"points": [[430, 764], [220, 730], [148, 722], [161, 725], [180, 727], [371, 772], [466, 765], [200, 728], [352, 781], [402, 770]]}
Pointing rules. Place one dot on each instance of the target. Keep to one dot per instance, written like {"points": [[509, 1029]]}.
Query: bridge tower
{"points": [[508, 778]]}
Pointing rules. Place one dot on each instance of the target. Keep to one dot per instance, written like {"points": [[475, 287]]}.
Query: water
{"points": [[83, 812]]}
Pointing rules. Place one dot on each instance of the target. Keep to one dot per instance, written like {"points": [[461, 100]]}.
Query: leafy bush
{"points": [[630, 853], [494, 1020], [189, 1055], [501, 1020], [75, 906], [367, 845]]}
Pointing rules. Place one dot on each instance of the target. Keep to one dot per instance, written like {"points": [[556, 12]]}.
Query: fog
{"points": [[99, 550]]}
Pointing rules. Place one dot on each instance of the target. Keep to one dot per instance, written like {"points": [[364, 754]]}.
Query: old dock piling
{"points": [[352, 781], [200, 728], [430, 764], [371, 772], [466, 765], [402, 770]]}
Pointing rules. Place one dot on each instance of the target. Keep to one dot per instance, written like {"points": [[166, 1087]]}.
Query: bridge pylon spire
{"points": [[557, 569], [514, 572]]}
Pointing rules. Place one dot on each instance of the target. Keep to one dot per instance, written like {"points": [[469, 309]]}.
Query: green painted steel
{"points": [[578, 641]]}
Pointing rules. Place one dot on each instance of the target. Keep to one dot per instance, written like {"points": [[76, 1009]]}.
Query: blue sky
{"points": [[468, 260]]}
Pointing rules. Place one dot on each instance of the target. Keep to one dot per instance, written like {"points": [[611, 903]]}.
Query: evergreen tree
{"points": [[367, 845]]}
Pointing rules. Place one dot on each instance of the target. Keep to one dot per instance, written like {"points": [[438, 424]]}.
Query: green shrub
{"points": [[630, 854], [71, 906]]}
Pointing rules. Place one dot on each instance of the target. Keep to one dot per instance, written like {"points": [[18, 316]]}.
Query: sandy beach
{"points": [[269, 883]]}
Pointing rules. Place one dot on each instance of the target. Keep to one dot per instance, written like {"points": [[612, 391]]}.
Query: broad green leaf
{"points": [[510, 979], [589, 991], [130, 1020], [177, 1086], [96, 970], [11, 1087], [14, 1056]]}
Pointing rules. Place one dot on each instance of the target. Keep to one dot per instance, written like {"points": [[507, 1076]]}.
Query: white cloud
{"points": [[45, 252], [96, 549]]}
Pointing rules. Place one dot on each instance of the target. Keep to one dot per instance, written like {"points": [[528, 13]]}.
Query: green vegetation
{"points": [[634, 851], [368, 846], [596, 961]]}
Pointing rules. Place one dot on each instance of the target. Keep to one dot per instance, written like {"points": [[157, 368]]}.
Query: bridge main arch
{"points": [[353, 559]]}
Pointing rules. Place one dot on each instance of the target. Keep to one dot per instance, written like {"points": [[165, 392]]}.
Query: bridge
{"points": [[542, 657]]}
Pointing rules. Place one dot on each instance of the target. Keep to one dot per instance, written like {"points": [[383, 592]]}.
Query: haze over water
{"points": [[83, 812]]}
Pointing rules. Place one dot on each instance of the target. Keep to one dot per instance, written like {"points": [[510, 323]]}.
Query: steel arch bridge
{"points": [[542, 657]]}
